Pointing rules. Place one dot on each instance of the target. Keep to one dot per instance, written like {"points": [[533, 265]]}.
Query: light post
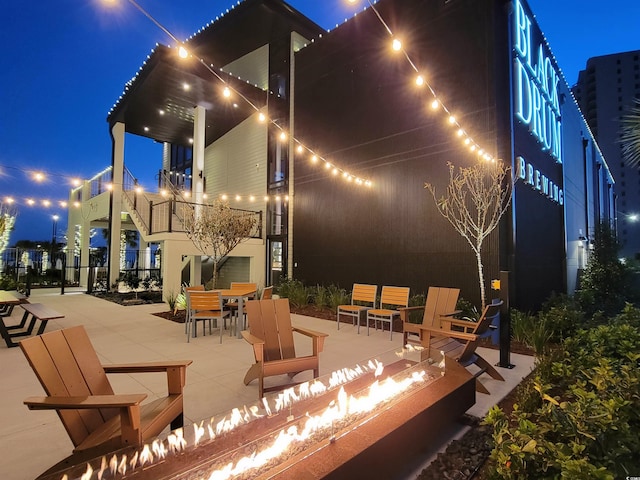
{"points": [[55, 230]]}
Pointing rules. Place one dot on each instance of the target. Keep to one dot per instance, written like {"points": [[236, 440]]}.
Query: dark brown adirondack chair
{"points": [[271, 336], [440, 305], [97, 420], [461, 345]]}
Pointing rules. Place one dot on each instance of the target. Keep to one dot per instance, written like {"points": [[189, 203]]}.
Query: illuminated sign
{"points": [[536, 87], [530, 175]]}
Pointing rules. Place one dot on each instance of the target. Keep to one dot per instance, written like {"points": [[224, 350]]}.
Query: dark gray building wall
{"points": [[358, 104]]}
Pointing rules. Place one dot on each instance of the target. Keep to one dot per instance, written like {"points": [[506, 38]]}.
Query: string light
{"points": [[436, 103], [228, 88], [31, 201]]}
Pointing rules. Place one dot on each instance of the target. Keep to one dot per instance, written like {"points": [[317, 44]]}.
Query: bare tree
{"points": [[216, 229], [630, 135], [475, 200]]}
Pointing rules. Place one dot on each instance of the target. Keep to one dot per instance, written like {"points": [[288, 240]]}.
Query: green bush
{"points": [[564, 316], [535, 331], [320, 296], [8, 283], [468, 310], [521, 324], [604, 284], [295, 291], [337, 296], [171, 298], [417, 300], [579, 413], [630, 315], [539, 336]]}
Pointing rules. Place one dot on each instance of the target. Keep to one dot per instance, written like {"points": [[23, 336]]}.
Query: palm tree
{"points": [[630, 136]]}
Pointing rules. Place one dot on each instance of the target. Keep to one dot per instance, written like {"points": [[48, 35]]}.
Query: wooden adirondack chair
{"points": [[461, 345], [441, 302], [97, 420], [271, 336]]}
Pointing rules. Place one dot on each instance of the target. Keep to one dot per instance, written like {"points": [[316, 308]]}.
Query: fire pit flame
{"points": [[103, 467], [176, 441], [87, 474], [337, 410], [122, 467], [335, 413]]}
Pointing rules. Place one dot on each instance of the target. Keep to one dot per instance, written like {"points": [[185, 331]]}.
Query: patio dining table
{"points": [[238, 295]]}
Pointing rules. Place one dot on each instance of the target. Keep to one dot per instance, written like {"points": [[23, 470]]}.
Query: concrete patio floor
{"points": [[32, 441]]}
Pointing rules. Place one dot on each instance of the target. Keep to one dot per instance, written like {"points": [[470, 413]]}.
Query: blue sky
{"points": [[65, 63]]}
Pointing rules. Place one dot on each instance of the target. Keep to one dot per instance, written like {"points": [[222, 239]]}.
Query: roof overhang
{"points": [[159, 101]]}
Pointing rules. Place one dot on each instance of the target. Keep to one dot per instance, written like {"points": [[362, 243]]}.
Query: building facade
{"points": [[605, 91], [328, 136], [489, 62]]}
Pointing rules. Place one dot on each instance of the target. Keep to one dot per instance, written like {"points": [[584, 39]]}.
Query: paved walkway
{"points": [[32, 441]]}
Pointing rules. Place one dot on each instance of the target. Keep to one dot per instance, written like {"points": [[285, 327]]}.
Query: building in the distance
{"points": [[605, 91], [328, 136]]}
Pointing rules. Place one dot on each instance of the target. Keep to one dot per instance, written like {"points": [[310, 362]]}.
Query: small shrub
{"points": [[564, 315], [131, 280], [8, 283], [337, 296], [418, 300], [521, 323], [170, 298], [539, 335], [181, 303], [320, 296], [605, 282], [468, 310], [295, 291], [630, 315]]}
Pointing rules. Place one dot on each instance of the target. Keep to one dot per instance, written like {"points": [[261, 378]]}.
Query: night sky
{"points": [[65, 63]]}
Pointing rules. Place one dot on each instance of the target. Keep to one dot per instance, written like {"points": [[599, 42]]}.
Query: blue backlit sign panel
{"points": [[536, 83]]}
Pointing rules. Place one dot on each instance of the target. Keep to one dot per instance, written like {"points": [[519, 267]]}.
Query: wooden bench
{"points": [[32, 312]]}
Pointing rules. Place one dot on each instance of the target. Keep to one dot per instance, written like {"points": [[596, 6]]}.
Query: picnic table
{"points": [[8, 300], [33, 312]]}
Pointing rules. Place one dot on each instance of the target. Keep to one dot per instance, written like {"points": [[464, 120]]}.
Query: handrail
{"points": [[165, 216]]}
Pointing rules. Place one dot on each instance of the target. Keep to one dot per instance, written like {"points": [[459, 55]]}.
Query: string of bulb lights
{"points": [[436, 103], [39, 177], [228, 92]]}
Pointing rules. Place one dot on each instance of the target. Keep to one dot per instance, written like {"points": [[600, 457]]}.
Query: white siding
{"points": [[253, 67], [236, 164]]}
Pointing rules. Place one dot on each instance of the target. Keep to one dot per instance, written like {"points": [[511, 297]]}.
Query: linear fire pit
{"points": [[354, 422]]}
